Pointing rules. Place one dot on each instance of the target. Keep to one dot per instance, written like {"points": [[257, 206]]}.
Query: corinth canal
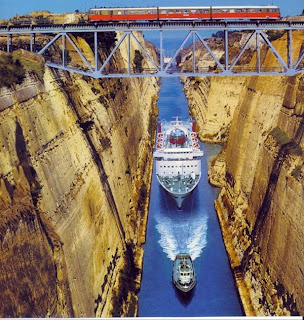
{"points": [[194, 229]]}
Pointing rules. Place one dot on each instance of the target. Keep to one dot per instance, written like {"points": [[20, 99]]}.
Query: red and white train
{"points": [[184, 13]]}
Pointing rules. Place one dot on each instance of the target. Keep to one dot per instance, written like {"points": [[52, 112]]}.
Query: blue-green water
{"points": [[194, 229]]}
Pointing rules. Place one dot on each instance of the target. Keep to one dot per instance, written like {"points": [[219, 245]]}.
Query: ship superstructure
{"points": [[178, 158], [183, 274]]}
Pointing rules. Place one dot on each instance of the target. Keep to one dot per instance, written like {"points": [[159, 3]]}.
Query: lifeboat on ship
{"points": [[195, 145]]}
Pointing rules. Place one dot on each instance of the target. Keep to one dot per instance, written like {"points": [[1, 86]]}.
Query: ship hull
{"points": [[178, 197]]}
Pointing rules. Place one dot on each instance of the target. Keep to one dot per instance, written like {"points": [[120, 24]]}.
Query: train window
{"points": [[231, 10], [119, 12], [126, 12], [178, 11], [132, 11], [193, 11], [148, 12], [251, 10], [224, 10], [171, 11], [140, 12], [186, 11], [163, 11], [238, 10], [153, 11], [206, 11], [259, 10]]}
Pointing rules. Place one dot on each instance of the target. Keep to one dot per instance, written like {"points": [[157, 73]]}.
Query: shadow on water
{"points": [[184, 298]]}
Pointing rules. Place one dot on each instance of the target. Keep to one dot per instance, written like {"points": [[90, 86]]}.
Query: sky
{"points": [[9, 8]]}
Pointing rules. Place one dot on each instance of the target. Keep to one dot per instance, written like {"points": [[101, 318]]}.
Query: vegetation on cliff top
{"points": [[13, 67], [11, 70]]}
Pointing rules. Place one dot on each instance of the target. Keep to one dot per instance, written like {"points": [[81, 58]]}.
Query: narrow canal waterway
{"points": [[194, 229]]}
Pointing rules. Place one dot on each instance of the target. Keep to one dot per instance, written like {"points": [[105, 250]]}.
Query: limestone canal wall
{"points": [[75, 170], [260, 121]]}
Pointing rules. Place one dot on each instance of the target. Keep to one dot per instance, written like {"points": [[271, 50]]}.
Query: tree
{"points": [[12, 71], [138, 58]]}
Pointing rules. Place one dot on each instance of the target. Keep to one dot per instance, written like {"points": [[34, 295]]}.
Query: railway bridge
{"points": [[195, 32]]}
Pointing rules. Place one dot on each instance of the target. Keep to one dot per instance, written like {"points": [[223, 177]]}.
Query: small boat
{"points": [[183, 275]]}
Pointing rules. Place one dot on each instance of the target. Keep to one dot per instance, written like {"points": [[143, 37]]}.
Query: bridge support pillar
{"points": [[9, 43], [63, 50], [96, 50], [129, 52], [226, 49], [289, 44], [32, 41], [258, 62]]}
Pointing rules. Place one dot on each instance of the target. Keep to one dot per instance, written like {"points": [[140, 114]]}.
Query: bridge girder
{"points": [[101, 68]]}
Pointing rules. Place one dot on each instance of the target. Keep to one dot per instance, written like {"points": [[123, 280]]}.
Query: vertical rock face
{"points": [[261, 205], [75, 171], [213, 102], [262, 201]]}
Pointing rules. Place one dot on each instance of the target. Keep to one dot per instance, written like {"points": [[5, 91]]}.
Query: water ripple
{"points": [[182, 235]]}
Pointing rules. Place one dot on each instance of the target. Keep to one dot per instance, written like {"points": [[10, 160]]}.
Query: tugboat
{"points": [[178, 158], [183, 275]]}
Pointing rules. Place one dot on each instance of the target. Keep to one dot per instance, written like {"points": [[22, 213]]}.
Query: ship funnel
{"points": [[158, 127], [193, 124]]}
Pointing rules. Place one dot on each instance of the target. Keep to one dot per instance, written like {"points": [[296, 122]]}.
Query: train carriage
{"points": [[184, 13], [246, 12], [123, 14]]}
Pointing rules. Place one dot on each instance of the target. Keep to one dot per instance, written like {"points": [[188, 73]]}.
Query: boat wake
{"points": [[187, 235]]}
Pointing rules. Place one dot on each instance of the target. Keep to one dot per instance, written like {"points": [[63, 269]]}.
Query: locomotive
{"points": [[184, 13]]}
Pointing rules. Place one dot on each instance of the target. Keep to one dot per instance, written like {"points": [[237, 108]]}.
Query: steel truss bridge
{"points": [[100, 66]]}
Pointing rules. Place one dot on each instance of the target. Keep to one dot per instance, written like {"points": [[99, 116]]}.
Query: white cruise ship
{"points": [[178, 158]]}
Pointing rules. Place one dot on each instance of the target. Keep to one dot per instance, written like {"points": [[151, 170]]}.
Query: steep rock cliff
{"points": [[261, 172], [75, 172], [213, 100]]}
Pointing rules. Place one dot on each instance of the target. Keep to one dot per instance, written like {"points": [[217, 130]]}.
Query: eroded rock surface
{"points": [[261, 172], [75, 175]]}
